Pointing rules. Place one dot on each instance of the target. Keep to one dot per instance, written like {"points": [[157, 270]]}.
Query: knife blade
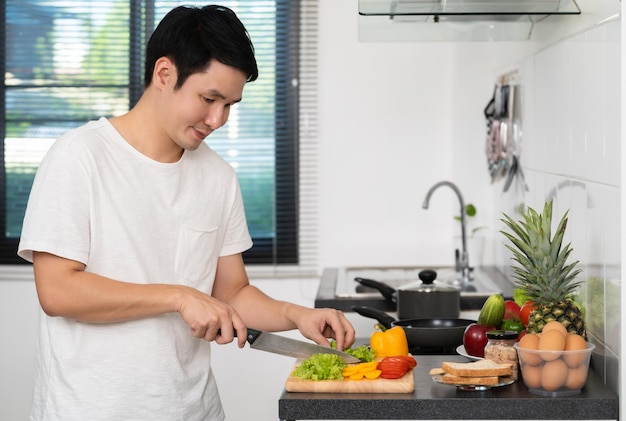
{"points": [[278, 344]]}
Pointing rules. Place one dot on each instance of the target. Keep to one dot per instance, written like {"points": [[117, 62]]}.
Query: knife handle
{"points": [[253, 334]]}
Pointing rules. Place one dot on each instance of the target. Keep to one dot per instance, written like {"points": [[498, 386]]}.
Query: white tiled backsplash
{"points": [[570, 150]]}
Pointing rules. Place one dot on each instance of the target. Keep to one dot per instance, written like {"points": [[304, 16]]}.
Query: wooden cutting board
{"points": [[405, 384]]}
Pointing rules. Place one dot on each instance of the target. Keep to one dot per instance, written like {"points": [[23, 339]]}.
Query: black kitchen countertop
{"points": [[434, 401], [326, 293]]}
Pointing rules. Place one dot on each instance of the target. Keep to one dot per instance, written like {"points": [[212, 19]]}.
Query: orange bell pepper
{"points": [[389, 342]]}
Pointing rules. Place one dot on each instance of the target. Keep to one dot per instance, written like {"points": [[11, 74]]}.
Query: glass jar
{"points": [[500, 348]]}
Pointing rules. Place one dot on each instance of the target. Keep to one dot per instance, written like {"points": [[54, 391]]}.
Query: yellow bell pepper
{"points": [[389, 342], [362, 370]]}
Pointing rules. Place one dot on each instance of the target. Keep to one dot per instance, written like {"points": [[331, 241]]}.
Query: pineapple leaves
{"points": [[546, 221], [558, 236], [542, 270]]}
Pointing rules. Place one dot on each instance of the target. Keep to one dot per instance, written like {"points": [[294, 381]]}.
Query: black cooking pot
{"points": [[424, 300], [436, 332]]}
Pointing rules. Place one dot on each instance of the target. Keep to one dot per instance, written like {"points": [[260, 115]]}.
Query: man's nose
{"points": [[215, 118]]}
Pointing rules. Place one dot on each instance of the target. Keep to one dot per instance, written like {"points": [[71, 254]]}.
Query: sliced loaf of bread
{"points": [[477, 381], [480, 368]]}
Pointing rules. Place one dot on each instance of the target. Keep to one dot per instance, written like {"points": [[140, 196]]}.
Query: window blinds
{"points": [[69, 62]]}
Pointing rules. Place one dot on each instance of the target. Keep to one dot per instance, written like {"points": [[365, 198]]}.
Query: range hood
{"points": [[456, 20]]}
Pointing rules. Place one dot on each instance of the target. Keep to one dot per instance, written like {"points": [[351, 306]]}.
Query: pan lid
{"points": [[429, 288], [428, 284]]}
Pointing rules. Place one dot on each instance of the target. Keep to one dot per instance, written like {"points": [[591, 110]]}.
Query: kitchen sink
{"points": [[480, 284], [339, 290]]}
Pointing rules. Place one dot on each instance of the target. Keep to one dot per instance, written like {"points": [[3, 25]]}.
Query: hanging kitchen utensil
{"points": [[496, 154], [489, 111], [504, 132], [490, 108], [502, 103], [513, 138], [511, 174], [496, 112]]}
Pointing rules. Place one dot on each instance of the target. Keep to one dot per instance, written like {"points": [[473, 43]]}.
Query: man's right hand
{"points": [[211, 319]]}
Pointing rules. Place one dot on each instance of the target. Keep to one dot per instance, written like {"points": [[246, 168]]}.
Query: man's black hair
{"points": [[191, 37]]}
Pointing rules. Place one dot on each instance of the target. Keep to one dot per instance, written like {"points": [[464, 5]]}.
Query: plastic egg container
{"points": [[554, 373]]}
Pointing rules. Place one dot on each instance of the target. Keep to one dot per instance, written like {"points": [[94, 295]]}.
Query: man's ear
{"points": [[164, 73]]}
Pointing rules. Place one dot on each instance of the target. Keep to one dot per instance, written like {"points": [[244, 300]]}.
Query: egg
{"points": [[576, 377], [530, 342], [553, 375], [554, 325], [532, 376], [552, 340], [574, 342]]}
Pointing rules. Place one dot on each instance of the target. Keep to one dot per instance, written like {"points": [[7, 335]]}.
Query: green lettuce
{"points": [[362, 352], [321, 367]]}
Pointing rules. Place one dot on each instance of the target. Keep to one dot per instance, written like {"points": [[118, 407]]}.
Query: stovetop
{"points": [[480, 282]]}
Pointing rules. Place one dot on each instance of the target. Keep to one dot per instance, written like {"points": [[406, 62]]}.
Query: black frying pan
{"points": [[438, 332]]}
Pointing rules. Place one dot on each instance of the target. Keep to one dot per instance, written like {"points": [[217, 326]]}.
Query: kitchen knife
{"points": [[278, 344]]}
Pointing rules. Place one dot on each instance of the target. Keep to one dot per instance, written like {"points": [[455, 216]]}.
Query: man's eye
{"points": [[209, 100]]}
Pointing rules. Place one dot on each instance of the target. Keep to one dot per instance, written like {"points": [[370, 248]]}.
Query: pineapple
{"points": [[542, 272]]}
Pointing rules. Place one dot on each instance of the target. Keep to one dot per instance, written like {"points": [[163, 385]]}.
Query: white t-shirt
{"points": [[99, 201]]}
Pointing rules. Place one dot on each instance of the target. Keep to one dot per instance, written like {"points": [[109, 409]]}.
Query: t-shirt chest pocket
{"points": [[196, 253]]}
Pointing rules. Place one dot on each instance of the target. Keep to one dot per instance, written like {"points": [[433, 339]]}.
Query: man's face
{"points": [[202, 104]]}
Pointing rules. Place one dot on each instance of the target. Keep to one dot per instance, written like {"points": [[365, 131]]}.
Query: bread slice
{"points": [[480, 368], [474, 381]]}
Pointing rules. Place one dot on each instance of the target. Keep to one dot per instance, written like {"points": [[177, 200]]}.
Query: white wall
{"points": [[572, 152], [394, 119], [18, 322]]}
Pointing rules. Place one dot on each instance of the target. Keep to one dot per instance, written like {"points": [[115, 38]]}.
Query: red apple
{"points": [[475, 339]]}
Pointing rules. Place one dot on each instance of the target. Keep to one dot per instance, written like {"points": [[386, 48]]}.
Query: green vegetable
{"points": [[321, 367], [520, 297], [512, 324], [493, 311], [363, 352]]}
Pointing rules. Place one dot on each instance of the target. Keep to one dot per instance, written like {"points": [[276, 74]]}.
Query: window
{"points": [[68, 62]]}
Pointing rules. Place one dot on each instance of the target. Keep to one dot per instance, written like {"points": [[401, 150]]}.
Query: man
{"points": [[135, 228]]}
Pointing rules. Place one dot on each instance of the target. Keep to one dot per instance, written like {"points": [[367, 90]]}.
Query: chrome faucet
{"points": [[462, 260]]}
